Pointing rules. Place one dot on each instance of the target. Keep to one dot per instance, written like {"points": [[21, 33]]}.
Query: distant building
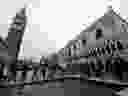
{"points": [[10, 46], [111, 25]]}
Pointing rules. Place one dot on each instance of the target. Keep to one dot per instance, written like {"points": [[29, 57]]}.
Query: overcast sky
{"points": [[51, 23]]}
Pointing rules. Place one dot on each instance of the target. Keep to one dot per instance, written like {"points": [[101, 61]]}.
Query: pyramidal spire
{"points": [[110, 10], [16, 32], [109, 7], [109, 4]]}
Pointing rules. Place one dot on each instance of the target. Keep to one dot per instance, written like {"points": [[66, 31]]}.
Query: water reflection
{"points": [[37, 90], [7, 91], [70, 88]]}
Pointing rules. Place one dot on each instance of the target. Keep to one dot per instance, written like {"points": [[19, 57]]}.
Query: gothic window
{"points": [[99, 33]]}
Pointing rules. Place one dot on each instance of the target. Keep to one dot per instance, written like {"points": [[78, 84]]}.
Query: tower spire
{"points": [[109, 6], [16, 32]]}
